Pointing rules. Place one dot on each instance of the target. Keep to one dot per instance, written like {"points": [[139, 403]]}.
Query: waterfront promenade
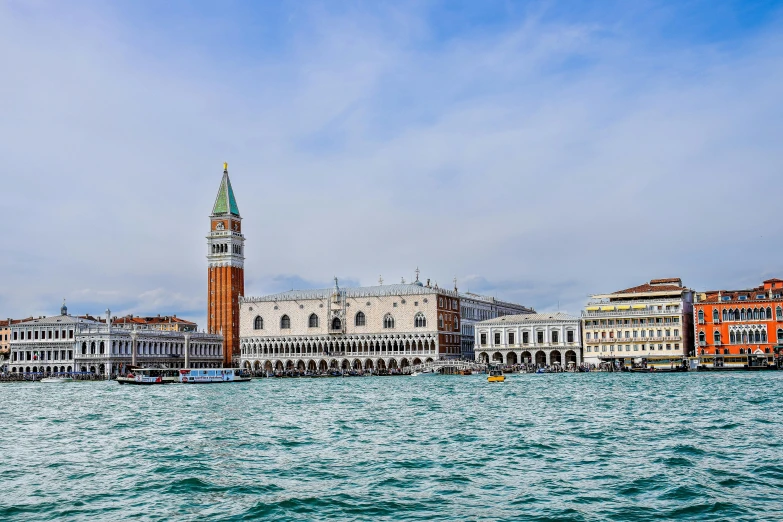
{"points": [[694, 446]]}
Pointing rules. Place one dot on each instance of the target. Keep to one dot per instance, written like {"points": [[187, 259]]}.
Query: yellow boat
{"points": [[496, 376]]}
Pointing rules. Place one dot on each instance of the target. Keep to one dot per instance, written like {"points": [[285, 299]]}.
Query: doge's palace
{"points": [[365, 328]]}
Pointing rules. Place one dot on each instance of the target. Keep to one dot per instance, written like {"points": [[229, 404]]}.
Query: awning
{"points": [[623, 307], [638, 307], [607, 308], [672, 304], [592, 308]]}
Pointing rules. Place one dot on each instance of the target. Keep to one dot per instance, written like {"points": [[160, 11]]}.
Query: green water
{"points": [[538, 447]]}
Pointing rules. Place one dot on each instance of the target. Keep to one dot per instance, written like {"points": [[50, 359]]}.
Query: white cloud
{"points": [[548, 161]]}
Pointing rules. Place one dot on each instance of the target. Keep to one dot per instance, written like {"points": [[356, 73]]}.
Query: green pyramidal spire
{"points": [[225, 202]]}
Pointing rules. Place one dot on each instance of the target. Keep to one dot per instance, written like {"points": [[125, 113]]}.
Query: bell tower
{"points": [[226, 278]]}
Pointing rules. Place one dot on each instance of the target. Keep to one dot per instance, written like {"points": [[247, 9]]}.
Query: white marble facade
{"points": [[540, 339], [378, 327]]}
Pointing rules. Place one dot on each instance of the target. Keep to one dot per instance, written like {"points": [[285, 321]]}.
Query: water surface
{"points": [[538, 447]]}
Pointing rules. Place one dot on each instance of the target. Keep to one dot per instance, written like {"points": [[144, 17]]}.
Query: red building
{"points": [[744, 324]]}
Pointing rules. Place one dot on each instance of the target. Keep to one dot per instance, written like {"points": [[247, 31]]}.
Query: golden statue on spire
{"points": [[225, 166]]}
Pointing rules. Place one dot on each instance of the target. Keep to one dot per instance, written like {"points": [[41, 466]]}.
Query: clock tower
{"points": [[226, 279]]}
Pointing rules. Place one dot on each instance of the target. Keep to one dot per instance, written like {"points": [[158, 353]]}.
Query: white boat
{"points": [[211, 375], [148, 376], [425, 373], [56, 380]]}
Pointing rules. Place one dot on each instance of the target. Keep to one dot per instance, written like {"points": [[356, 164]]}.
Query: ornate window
{"points": [[555, 336], [769, 313], [715, 316], [763, 336], [725, 315], [716, 336], [360, 320], [337, 324], [779, 312], [313, 321], [440, 322], [732, 338], [570, 336], [419, 321], [285, 323], [388, 321], [258, 323], [702, 337], [701, 316]]}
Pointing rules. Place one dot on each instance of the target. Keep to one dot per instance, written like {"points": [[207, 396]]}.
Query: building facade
{"points": [[538, 339], [653, 319], [475, 308], [369, 328], [65, 343], [740, 322], [226, 270]]}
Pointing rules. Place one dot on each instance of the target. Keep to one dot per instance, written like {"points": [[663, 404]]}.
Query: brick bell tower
{"points": [[226, 257]]}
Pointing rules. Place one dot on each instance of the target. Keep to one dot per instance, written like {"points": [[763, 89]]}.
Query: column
{"points": [[187, 350], [134, 347]]}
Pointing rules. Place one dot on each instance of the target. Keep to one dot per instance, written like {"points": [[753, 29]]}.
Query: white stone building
{"points": [[654, 319], [475, 308], [540, 339], [369, 328], [64, 343]]}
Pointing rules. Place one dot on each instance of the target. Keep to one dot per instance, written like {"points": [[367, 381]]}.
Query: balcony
{"points": [[624, 313], [702, 343]]}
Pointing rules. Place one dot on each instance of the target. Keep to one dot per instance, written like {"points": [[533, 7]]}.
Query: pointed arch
{"points": [[258, 323], [312, 322], [285, 323], [360, 319], [388, 321], [419, 321]]}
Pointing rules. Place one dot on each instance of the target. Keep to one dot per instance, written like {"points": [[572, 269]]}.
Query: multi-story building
{"points": [[167, 323], [65, 343], [375, 327], [5, 342], [740, 322], [541, 339], [475, 308], [651, 320], [226, 272]]}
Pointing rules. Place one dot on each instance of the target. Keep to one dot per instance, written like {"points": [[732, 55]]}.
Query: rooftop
{"points": [[530, 318], [361, 291], [225, 203]]}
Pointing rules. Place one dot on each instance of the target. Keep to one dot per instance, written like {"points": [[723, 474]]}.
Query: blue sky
{"points": [[536, 151]]}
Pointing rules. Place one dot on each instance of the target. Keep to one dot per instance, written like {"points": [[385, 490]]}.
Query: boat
{"points": [[212, 375], [148, 376], [57, 380], [496, 376], [425, 373]]}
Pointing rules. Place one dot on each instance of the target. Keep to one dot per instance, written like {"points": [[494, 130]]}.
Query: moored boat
{"points": [[56, 380]]}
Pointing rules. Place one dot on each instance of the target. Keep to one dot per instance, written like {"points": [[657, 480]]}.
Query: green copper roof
{"points": [[225, 202]]}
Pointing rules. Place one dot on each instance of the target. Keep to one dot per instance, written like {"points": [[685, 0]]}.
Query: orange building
{"points": [[226, 273], [743, 327]]}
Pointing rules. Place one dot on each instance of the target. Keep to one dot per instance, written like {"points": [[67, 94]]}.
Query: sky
{"points": [[538, 152]]}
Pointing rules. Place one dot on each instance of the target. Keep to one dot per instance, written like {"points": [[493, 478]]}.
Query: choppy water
{"points": [[538, 447]]}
